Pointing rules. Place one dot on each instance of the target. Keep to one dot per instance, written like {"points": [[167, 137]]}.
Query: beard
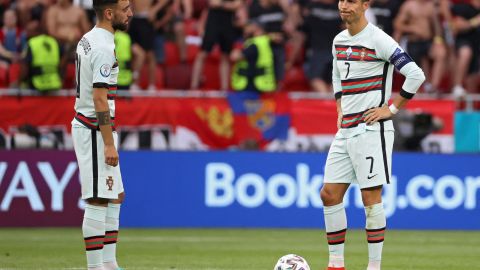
{"points": [[116, 25]]}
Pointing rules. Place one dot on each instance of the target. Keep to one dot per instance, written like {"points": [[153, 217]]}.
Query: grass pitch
{"points": [[235, 249]]}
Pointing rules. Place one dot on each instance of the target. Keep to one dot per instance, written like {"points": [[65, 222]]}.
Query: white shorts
{"points": [[97, 179], [365, 159]]}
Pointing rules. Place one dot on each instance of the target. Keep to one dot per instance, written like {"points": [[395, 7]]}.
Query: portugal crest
{"points": [[110, 183], [363, 53]]}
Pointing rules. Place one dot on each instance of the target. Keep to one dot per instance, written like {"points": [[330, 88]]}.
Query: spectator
{"points": [[24, 10], [66, 23], [271, 14], [467, 42], [321, 24], [164, 10], [42, 62], [143, 34], [183, 12], [418, 21], [13, 41], [170, 18], [87, 5], [254, 68], [219, 29], [384, 12]]}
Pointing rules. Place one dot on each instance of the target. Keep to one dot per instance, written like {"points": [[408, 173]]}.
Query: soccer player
{"points": [[363, 61], [94, 137]]}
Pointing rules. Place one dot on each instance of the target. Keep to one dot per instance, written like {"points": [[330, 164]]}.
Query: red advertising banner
{"points": [[39, 188], [210, 122]]}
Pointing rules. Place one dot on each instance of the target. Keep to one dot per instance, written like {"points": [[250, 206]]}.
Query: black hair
{"points": [[100, 5]]}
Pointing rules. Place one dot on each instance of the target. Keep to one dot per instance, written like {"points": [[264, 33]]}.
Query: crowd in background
{"points": [[442, 36]]}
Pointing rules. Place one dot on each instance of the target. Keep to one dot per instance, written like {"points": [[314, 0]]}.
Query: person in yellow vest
{"points": [[123, 52], [254, 69], [41, 65]]}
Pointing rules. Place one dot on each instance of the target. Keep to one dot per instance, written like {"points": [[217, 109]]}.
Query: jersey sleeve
{"points": [[336, 81], [391, 52], [102, 61]]}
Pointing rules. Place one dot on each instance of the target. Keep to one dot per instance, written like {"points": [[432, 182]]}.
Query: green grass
{"points": [[229, 249]]}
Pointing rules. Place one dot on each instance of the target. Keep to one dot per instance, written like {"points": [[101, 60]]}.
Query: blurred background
{"points": [[208, 147]]}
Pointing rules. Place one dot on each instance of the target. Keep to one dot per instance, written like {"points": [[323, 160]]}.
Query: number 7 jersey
{"points": [[96, 67], [362, 75]]}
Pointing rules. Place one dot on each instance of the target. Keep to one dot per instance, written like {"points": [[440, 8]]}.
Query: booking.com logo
{"points": [[223, 188]]}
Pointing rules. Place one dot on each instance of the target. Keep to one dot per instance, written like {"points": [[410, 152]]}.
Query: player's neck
{"points": [[357, 27], [105, 25]]}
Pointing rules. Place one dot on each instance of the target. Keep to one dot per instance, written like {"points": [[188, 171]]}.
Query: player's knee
{"points": [[327, 197], [371, 196]]}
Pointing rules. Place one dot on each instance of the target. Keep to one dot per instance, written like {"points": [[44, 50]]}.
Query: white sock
{"points": [[336, 228], [111, 234], [375, 227], [93, 229]]}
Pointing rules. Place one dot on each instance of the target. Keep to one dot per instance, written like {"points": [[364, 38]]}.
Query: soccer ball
{"points": [[291, 262]]}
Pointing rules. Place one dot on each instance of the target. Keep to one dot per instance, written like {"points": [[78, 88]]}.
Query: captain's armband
{"points": [[400, 58]]}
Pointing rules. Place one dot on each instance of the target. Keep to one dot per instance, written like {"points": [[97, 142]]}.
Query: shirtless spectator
{"points": [[418, 22], [219, 29], [87, 5], [466, 24], [143, 35], [66, 23]]}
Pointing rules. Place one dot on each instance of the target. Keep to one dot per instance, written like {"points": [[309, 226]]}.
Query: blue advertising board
{"points": [[252, 189]]}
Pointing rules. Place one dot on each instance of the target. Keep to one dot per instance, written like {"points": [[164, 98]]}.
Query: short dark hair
{"points": [[100, 5]]}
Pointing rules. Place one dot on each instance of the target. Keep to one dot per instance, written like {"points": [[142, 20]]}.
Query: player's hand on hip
{"points": [[111, 155], [375, 114]]}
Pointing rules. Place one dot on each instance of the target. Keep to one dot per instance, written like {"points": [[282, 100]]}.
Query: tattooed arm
{"points": [[103, 117]]}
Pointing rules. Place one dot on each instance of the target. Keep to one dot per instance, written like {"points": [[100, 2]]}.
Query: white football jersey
{"points": [[96, 67], [362, 75]]}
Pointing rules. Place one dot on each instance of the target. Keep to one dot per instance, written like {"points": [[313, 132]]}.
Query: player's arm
{"points": [[102, 60], [414, 77], [102, 110], [5, 53], [337, 87]]}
